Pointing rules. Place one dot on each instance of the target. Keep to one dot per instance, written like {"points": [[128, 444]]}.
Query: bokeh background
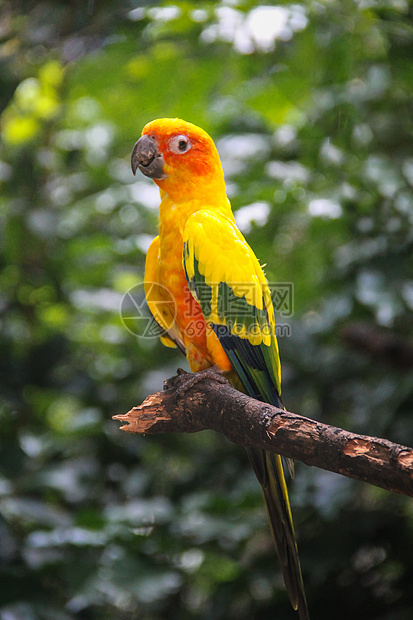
{"points": [[311, 107]]}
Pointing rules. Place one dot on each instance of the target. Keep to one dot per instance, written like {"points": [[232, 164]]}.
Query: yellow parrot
{"points": [[216, 303]]}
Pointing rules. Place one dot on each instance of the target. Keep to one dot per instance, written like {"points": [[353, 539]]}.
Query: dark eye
{"points": [[179, 144]]}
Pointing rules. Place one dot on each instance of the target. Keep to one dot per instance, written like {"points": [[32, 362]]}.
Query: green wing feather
{"points": [[226, 279]]}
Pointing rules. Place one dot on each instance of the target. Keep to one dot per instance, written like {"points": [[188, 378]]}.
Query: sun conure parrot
{"points": [[216, 304]]}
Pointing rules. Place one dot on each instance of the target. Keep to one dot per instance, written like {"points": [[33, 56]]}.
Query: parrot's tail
{"points": [[268, 468]]}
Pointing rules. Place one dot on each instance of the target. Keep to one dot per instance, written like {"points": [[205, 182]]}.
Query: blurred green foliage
{"points": [[311, 106]]}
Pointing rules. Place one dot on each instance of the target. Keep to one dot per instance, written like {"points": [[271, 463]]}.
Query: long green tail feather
{"points": [[254, 377], [269, 471]]}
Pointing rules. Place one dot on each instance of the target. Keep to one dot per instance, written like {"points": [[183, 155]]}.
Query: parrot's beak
{"points": [[147, 157]]}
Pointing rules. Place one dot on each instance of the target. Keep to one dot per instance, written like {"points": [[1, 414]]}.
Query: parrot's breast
{"points": [[202, 345]]}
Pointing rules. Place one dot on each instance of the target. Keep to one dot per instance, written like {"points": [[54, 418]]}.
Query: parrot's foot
{"points": [[187, 380]]}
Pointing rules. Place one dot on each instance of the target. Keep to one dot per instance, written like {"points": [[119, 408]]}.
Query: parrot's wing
{"points": [[226, 279], [160, 301]]}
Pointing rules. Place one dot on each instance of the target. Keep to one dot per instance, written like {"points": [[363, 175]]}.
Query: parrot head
{"points": [[177, 154]]}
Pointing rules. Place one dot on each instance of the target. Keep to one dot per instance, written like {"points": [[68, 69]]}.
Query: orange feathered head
{"points": [[174, 152]]}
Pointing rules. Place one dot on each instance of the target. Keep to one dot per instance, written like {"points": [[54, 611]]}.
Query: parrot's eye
{"points": [[179, 144]]}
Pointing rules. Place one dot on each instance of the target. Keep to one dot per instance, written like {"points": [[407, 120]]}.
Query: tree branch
{"points": [[192, 402]]}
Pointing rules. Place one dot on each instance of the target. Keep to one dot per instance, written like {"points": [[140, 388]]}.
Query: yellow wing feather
{"points": [[235, 292]]}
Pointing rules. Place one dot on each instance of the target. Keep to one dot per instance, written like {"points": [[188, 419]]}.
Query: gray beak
{"points": [[147, 158]]}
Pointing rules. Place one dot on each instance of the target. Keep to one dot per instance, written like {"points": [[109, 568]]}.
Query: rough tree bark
{"points": [[192, 402]]}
